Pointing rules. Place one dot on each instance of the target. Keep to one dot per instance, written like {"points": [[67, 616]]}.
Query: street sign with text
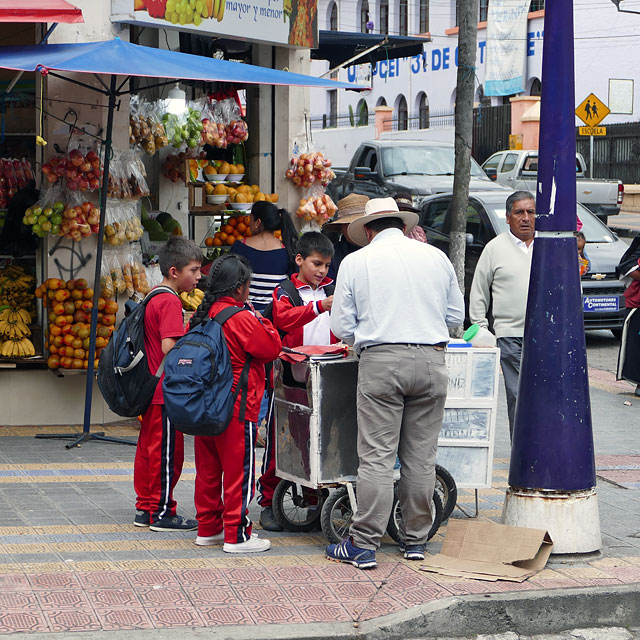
{"points": [[592, 131], [592, 111]]}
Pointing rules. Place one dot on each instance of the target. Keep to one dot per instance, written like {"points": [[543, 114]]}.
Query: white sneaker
{"points": [[254, 545], [207, 541]]}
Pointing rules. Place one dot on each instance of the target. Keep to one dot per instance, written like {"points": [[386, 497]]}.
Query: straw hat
{"points": [[349, 209], [377, 209]]}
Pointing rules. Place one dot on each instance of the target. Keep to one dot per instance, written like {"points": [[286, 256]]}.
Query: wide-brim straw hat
{"points": [[404, 201], [349, 209], [377, 209]]}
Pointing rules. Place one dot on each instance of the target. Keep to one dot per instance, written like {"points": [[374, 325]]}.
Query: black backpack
{"points": [[124, 378], [292, 291]]}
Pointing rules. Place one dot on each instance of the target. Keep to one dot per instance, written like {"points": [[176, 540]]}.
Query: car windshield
{"points": [[593, 229], [423, 161]]}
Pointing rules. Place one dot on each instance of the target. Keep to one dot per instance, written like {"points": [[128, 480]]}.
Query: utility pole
{"points": [[465, 89]]}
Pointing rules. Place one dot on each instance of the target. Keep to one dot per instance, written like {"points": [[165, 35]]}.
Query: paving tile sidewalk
{"points": [[71, 559]]}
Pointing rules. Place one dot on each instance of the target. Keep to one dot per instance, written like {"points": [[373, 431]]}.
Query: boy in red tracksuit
{"points": [[160, 450], [225, 464], [300, 324]]}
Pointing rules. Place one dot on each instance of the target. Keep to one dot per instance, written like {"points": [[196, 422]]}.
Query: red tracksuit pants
{"points": [[225, 481], [158, 464]]}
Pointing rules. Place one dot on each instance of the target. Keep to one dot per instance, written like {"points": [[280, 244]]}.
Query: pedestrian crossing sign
{"points": [[592, 111]]}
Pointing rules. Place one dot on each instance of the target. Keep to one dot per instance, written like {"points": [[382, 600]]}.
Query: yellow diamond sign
{"points": [[592, 111]]}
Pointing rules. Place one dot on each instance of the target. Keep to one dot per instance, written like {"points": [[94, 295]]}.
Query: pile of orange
{"points": [[231, 230]]}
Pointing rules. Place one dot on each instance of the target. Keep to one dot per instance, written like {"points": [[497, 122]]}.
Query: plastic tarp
{"points": [[339, 46], [39, 11], [125, 59]]}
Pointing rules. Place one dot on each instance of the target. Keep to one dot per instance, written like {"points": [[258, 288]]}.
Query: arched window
{"points": [[536, 87], [424, 16], [362, 113], [364, 16], [402, 113], [381, 102], [384, 16], [333, 17], [423, 111], [403, 17]]}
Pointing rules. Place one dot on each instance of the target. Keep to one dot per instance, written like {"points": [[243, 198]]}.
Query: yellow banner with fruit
{"points": [[285, 22]]}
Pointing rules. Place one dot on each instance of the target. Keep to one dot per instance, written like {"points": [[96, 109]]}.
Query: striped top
{"points": [[270, 268]]}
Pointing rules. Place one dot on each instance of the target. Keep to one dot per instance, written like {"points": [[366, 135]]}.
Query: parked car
{"points": [[380, 168], [602, 292], [518, 169]]}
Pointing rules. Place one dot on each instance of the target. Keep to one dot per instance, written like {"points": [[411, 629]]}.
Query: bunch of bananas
{"points": [[14, 348], [191, 301], [13, 279], [14, 324]]}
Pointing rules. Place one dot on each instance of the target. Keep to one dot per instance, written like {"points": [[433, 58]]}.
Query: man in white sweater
{"points": [[501, 279]]}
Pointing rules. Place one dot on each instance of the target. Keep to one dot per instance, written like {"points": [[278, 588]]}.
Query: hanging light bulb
{"points": [[177, 100]]}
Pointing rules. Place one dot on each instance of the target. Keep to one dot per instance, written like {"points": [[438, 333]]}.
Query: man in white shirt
{"points": [[501, 281], [394, 301]]}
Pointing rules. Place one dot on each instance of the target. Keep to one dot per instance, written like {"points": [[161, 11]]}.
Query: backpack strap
{"points": [[243, 381], [292, 291], [154, 292]]}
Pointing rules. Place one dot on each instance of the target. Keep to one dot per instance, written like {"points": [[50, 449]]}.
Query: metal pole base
{"points": [[80, 438], [571, 518]]}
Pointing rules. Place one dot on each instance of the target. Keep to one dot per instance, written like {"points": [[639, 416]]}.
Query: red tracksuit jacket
{"points": [[246, 334], [291, 319]]}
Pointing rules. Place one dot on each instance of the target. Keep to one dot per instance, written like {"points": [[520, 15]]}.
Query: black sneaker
{"points": [[412, 551], [174, 523], [268, 521], [142, 519]]}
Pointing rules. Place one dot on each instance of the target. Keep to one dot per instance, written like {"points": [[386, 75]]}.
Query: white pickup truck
{"points": [[518, 169]]}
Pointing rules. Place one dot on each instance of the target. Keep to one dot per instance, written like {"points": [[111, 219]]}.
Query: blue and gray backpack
{"points": [[198, 379]]}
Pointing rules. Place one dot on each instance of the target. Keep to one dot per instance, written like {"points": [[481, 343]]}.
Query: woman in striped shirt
{"points": [[271, 259]]}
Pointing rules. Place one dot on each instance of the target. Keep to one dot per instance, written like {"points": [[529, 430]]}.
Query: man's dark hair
{"points": [[178, 253], [385, 223], [516, 196], [314, 242]]}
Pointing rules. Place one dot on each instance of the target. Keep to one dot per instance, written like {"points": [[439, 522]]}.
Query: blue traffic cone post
{"points": [[552, 470]]}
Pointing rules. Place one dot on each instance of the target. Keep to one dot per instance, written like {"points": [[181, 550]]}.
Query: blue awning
{"points": [[339, 46], [126, 59]]}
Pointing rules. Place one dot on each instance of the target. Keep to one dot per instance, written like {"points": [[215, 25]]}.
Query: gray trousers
{"points": [[510, 358], [401, 394]]}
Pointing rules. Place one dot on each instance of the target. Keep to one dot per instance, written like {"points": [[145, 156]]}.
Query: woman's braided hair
{"points": [[228, 272]]}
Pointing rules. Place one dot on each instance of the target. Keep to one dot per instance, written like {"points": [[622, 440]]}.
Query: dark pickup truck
{"points": [[380, 168]]}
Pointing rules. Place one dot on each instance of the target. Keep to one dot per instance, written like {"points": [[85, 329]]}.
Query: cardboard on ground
{"points": [[490, 551], [590, 116]]}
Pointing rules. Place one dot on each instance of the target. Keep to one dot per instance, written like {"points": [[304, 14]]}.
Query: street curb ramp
{"points": [[531, 612]]}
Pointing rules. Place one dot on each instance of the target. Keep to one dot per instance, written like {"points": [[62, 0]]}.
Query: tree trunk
{"points": [[465, 89]]}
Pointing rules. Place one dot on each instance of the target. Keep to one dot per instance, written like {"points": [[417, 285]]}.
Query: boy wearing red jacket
{"points": [[302, 319], [160, 450]]}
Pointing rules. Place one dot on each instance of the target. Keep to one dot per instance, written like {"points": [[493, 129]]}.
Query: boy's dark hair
{"points": [[314, 242], [579, 234], [228, 272], [385, 223], [178, 253]]}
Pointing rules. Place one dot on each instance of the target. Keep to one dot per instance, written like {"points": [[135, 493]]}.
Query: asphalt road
{"points": [[602, 350]]}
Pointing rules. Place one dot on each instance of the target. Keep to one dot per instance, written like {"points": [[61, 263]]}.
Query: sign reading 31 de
{"points": [[592, 111]]}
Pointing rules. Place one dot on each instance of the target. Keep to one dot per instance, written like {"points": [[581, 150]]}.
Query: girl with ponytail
{"points": [[272, 259], [225, 464]]}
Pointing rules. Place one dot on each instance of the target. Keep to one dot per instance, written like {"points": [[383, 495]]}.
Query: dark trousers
{"points": [[510, 358]]}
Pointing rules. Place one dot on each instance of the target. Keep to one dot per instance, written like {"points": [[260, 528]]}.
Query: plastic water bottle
{"points": [[479, 336]]}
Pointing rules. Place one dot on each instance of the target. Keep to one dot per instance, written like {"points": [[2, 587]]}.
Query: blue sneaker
{"points": [[412, 551], [346, 551]]}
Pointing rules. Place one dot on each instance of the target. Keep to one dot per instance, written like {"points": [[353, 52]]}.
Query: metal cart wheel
{"points": [[448, 491], [393, 528], [336, 515], [297, 508]]}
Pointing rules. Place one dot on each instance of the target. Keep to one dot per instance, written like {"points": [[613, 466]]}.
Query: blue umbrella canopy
{"points": [[126, 59]]}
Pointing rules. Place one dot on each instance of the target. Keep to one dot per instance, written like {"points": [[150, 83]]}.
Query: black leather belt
{"points": [[437, 345]]}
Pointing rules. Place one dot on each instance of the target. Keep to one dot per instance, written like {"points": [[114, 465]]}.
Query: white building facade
{"points": [[422, 89]]}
